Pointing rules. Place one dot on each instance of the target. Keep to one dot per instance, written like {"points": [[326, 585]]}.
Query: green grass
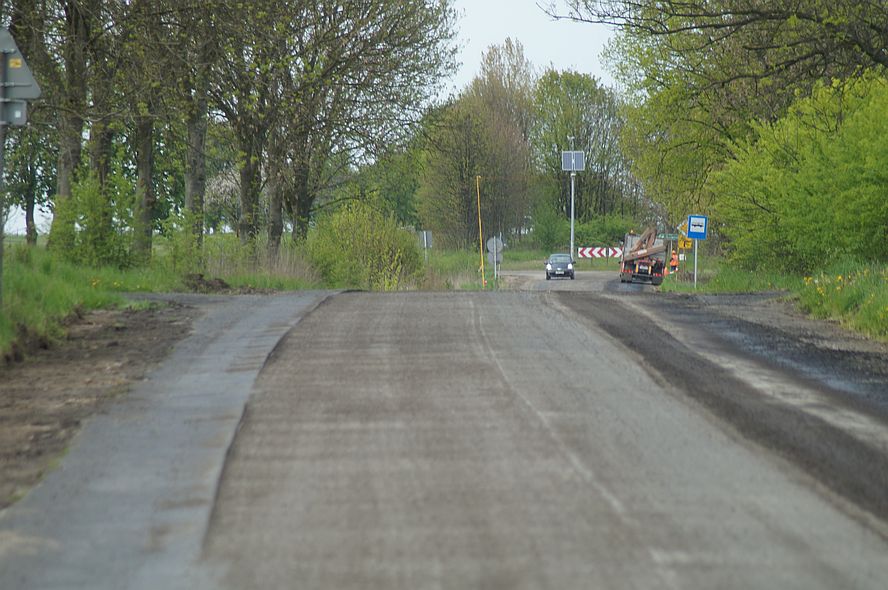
{"points": [[40, 291], [853, 293], [721, 278], [454, 270], [269, 282]]}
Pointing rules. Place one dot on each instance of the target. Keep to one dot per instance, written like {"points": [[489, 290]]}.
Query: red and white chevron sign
{"points": [[599, 252]]}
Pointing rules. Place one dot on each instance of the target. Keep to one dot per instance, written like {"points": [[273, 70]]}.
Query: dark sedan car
{"points": [[559, 265]]}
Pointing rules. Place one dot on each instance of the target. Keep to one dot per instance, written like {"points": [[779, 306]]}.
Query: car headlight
{"points": [[570, 267], [548, 266]]}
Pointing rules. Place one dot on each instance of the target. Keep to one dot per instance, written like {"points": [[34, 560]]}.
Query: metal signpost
{"points": [[425, 240], [698, 226], [17, 86], [572, 162], [495, 255]]}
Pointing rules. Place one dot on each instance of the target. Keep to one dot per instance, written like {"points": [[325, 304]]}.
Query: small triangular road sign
{"points": [[20, 83]]}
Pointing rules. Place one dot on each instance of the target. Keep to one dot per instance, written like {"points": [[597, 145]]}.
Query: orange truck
{"points": [[644, 258]]}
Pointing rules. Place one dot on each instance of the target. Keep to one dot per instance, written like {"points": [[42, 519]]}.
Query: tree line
{"points": [[738, 108], [145, 100], [501, 139]]}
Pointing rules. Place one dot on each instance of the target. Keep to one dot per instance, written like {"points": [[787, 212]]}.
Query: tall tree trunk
{"points": [[276, 188], [275, 220], [196, 166], [143, 223], [101, 139], [304, 200], [72, 115], [30, 224], [248, 225], [31, 197]]}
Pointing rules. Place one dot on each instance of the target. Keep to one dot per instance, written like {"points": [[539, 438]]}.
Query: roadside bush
{"points": [[607, 230], [358, 247], [91, 227], [550, 230], [809, 189], [177, 247]]}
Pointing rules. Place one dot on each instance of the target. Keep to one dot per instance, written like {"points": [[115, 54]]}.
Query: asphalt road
{"points": [[128, 505], [567, 434], [495, 440]]}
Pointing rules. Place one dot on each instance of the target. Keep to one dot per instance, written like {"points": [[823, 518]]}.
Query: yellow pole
{"points": [[480, 233]]}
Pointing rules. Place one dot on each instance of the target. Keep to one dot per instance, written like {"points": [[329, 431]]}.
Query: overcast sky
{"points": [[483, 23], [565, 45]]}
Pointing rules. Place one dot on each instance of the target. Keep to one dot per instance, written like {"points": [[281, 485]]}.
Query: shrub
{"points": [[607, 230], [91, 228], [358, 247], [550, 230]]}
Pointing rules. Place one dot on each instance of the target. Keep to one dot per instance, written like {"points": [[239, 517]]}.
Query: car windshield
{"points": [[555, 258]]}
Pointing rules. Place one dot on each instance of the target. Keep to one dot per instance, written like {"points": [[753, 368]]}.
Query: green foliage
{"points": [[721, 277], [551, 231], [359, 247], [40, 290], [573, 111], [92, 226], [810, 188], [607, 230], [851, 291], [180, 250]]}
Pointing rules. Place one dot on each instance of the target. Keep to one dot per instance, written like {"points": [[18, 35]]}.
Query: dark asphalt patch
{"points": [[840, 462]]}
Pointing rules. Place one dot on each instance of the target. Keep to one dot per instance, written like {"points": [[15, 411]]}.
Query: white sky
{"points": [[562, 44]]}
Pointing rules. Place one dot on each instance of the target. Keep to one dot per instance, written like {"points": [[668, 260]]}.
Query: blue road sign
{"points": [[698, 225]]}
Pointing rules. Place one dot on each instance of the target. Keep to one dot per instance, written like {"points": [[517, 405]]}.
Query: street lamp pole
{"points": [[573, 176]]}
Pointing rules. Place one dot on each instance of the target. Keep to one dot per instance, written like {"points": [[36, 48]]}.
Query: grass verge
{"points": [[39, 292], [853, 293]]}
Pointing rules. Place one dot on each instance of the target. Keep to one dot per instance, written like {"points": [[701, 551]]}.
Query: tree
{"points": [[503, 93], [775, 36], [65, 68], [574, 112], [30, 174], [364, 75], [699, 72], [453, 159], [483, 132]]}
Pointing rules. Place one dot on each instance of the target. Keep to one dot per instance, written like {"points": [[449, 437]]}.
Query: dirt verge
{"points": [[45, 398]]}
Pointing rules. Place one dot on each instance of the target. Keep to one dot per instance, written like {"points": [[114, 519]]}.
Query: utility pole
{"points": [[480, 232], [573, 178], [572, 162]]}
